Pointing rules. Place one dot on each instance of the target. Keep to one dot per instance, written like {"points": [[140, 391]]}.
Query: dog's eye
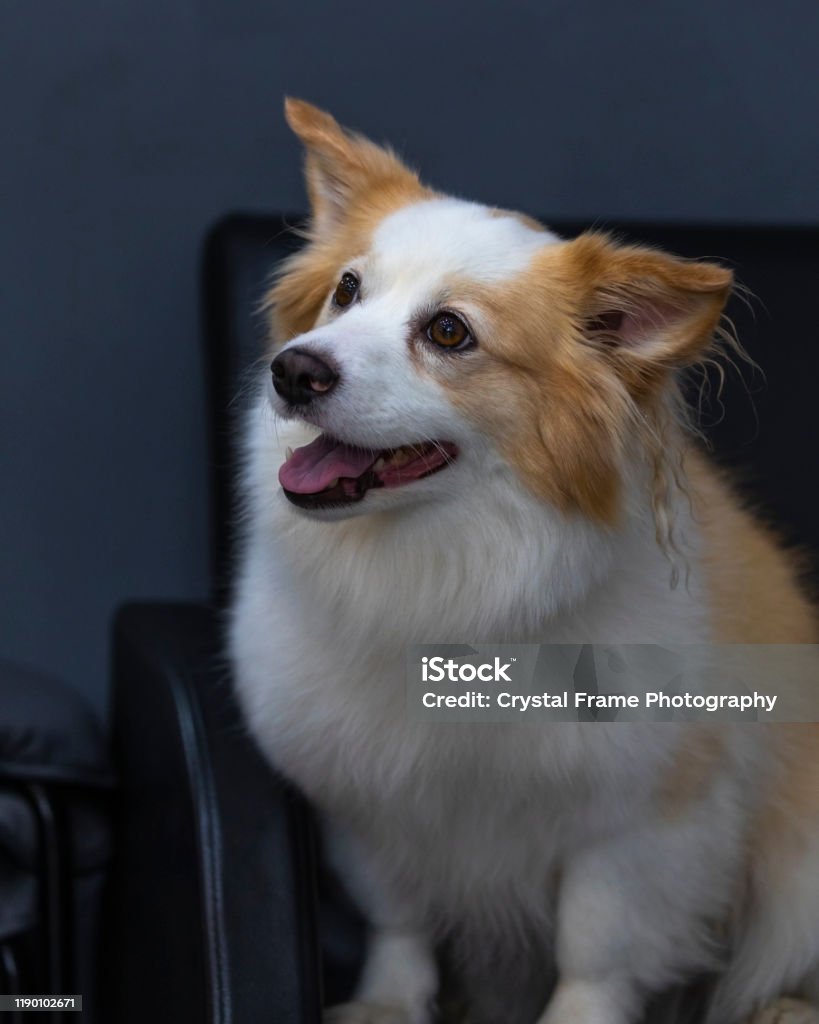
{"points": [[346, 290], [448, 331]]}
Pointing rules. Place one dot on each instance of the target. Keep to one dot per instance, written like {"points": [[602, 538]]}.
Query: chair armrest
{"points": [[212, 911]]}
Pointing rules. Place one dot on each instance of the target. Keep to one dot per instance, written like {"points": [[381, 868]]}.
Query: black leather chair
{"points": [[221, 911], [56, 782]]}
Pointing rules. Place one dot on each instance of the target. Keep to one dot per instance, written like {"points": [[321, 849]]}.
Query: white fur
{"points": [[521, 847], [424, 242]]}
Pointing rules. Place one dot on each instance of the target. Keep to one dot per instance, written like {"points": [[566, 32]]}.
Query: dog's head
{"points": [[432, 340]]}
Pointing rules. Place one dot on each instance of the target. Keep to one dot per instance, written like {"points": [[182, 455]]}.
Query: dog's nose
{"points": [[299, 376]]}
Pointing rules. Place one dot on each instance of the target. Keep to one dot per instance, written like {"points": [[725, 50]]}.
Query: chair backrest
{"points": [[766, 425]]}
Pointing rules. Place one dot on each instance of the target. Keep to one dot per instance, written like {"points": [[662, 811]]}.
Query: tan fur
{"points": [[786, 1011], [552, 407], [353, 184], [560, 400], [754, 593], [692, 773], [307, 279], [689, 294], [754, 597]]}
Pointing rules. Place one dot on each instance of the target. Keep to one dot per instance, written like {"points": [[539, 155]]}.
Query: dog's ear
{"points": [[341, 166], [646, 309]]}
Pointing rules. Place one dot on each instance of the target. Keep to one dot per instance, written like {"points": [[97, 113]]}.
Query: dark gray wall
{"points": [[129, 126]]}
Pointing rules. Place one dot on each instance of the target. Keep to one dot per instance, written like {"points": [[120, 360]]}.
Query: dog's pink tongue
{"points": [[315, 466]]}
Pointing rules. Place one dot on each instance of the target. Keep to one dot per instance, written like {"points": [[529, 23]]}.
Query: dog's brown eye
{"points": [[346, 290], [448, 331]]}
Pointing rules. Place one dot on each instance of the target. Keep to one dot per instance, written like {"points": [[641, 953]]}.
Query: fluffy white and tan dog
{"points": [[472, 432]]}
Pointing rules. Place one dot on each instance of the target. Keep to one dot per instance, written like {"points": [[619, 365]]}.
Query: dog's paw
{"points": [[786, 1011], [370, 1013]]}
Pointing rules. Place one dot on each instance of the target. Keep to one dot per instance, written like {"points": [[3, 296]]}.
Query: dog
{"points": [[472, 431]]}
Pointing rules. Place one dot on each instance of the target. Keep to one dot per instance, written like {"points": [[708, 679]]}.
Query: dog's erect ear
{"points": [[648, 309], [341, 166]]}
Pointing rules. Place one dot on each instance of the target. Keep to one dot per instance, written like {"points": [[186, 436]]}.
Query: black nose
{"points": [[299, 376]]}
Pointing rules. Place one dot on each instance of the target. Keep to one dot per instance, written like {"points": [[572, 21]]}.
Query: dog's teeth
{"points": [[333, 483], [288, 452], [379, 463]]}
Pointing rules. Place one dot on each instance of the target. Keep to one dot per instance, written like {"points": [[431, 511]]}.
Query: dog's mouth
{"points": [[328, 472]]}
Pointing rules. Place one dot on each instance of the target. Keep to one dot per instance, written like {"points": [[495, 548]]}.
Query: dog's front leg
{"points": [[397, 986], [399, 980], [631, 918]]}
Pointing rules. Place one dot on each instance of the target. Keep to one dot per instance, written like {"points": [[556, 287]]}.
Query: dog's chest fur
{"points": [[418, 795], [323, 617]]}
